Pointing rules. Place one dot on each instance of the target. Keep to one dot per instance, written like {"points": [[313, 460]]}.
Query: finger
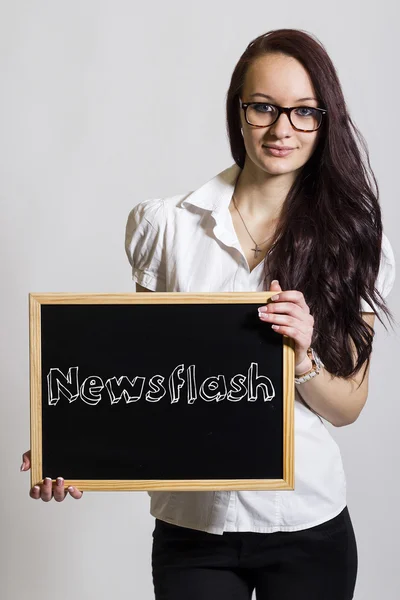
{"points": [[275, 285], [282, 320], [46, 491], [303, 340], [59, 492], [292, 296], [26, 461], [291, 309], [75, 493], [35, 492], [288, 320], [288, 308]]}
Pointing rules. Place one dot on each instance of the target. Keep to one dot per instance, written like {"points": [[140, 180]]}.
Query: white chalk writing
{"points": [[213, 389]]}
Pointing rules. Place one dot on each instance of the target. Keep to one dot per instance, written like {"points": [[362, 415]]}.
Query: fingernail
{"points": [[274, 281], [36, 488], [47, 479], [22, 467], [71, 489], [59, 480]]}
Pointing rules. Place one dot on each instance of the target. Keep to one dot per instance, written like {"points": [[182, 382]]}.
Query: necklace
{"points": [[257, 249]]}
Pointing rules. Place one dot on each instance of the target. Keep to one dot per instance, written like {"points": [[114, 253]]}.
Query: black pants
{"points": [[319, 563]]}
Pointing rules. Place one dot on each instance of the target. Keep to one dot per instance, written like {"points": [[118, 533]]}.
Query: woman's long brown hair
{"points": [[328, 240]]}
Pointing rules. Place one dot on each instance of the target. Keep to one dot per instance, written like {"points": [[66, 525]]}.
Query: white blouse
{"points": [[187, 243]]}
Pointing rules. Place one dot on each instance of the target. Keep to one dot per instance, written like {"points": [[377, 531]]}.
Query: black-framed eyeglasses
{"points": [[264, 114]]}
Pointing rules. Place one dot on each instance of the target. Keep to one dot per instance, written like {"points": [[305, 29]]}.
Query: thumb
{"points": [[275, 287], [26, 461]]}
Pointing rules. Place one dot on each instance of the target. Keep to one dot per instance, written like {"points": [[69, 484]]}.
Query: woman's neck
{"points": [[260, 195]]}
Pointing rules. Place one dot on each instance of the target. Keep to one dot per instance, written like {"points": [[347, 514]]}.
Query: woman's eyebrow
{"points": [[271, 98]]}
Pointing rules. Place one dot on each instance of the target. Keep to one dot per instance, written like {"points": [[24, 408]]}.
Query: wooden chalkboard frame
{"points": [[37, 300]]}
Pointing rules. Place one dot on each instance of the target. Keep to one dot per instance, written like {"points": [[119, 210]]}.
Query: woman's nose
{"points": [[282, 126]]}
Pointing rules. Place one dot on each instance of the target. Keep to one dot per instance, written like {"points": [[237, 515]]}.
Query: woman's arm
{"points": [[139, 288], [337, 400]]}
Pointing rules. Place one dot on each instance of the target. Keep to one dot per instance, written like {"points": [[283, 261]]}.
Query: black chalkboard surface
{"points": [[160, 391]]}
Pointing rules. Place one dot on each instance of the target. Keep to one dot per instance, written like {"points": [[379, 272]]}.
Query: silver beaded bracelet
{"points": [[317, 364]]}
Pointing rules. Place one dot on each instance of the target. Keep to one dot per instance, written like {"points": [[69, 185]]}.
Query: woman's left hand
{"points": [[290, 315]]}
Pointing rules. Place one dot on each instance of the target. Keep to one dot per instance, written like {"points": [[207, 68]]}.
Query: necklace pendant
{"points": [[256, 251]]}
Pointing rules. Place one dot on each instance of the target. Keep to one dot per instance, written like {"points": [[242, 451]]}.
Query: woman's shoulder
{"points": [[387, 249], [387, 271], [150, 210], [155, 211], [386, 274]]}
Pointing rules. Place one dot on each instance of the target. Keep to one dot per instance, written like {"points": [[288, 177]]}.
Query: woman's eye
{"points": [[263, 107], [305, 111]]}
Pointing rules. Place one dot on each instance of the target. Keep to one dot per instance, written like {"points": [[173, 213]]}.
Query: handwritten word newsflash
{"points": [[93, 388]]}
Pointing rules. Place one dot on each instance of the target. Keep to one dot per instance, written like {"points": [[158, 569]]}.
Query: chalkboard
{"points": [[161, 391]]}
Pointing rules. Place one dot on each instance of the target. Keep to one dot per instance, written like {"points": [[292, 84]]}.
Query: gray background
{"points": [[105, 104]]}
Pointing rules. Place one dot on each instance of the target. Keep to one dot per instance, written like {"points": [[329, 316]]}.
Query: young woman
{"points": [[295, 214], [296, 206]]}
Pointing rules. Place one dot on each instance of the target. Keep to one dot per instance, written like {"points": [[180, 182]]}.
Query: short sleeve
{"points": [[386, 274], [144, 244]]}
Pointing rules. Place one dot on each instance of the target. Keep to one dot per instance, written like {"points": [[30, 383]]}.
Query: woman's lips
{"points": [[276, 152]]}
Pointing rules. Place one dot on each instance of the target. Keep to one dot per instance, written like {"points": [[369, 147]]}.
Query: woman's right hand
{"points": [[46, 491]]}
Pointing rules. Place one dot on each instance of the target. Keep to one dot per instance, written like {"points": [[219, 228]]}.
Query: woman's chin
{"points": [[274, 167]]}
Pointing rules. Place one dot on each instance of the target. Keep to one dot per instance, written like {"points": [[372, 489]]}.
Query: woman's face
{"points": [[285, 81]]}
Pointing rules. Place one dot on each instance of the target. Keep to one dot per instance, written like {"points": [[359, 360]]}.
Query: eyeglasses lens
{"points": [[303, 117]]}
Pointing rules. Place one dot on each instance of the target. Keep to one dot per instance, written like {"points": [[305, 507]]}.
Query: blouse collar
{"points": [[215, 194]]}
